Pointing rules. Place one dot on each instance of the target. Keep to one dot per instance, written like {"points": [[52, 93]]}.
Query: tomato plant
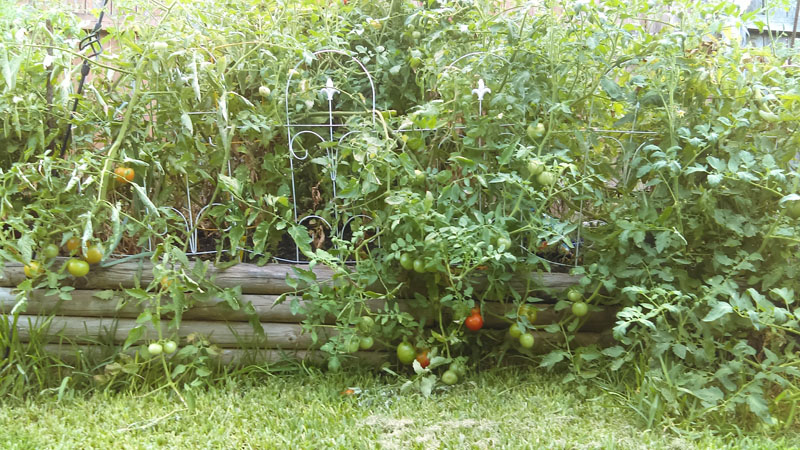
{"points": [[656, 166], [334, 365]]}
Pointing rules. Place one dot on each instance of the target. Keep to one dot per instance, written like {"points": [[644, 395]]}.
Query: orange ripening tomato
{"points": [[124, 175]]}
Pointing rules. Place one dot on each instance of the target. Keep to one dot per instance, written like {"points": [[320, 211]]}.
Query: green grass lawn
{"points": [[505, 408]]}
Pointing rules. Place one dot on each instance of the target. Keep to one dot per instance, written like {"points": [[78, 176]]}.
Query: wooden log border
{"points": [[86, 303], [253, 279], [90, 319]]}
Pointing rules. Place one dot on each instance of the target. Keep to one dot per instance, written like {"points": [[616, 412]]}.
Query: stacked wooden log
{"points": [[94, 312]]}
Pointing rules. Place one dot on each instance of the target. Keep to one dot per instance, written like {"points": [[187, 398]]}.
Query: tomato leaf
{"points": [[718, 310], [134, 335]]}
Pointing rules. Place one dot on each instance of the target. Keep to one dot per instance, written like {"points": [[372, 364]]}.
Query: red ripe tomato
{"points": [[422, 359], [474, 322]]}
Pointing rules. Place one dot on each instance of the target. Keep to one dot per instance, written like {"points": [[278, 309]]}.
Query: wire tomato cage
{"points": [[330, 135]]}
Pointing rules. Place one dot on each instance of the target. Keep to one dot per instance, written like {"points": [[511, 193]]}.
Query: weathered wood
{"points": [[85, 303], [532, 282], [232, 334], [91, 330], [71, 353], [267, 279]]}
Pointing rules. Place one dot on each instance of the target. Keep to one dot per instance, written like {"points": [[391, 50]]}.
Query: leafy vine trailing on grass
{"points": [[679, 146]]}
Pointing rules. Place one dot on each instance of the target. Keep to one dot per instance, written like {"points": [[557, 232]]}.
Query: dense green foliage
{"points": [[677, 145]]}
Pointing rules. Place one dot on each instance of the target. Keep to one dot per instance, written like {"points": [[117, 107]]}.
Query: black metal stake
{"points": [[91, 41]]}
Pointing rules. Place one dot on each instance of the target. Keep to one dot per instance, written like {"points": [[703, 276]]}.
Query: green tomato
{"points": [[580, 309], [155, 349], [264, 91], [535, 131], [50, 251], [449, 377], [459, 369], [406, 353], [419, 176], [406, 261], [793, 209], [503, 242], [526, 340], [366, 343], [514, 331], [365, 324], [415, 143], [77, 268], [531, 312], [546, 178], [353, 344], [535, 167], [170, 347], [416, 35], [33, 270], [419, 266], [574, 296]]}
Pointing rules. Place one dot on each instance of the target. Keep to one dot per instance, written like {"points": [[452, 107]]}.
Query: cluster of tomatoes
{"points": [[525, 338], [362, 340], [536, 168], [156, 348], [77, 267], [407, 354], [408, 262]]}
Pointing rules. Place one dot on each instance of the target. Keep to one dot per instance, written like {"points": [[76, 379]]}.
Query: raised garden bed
{"points": [[91, 317]]}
